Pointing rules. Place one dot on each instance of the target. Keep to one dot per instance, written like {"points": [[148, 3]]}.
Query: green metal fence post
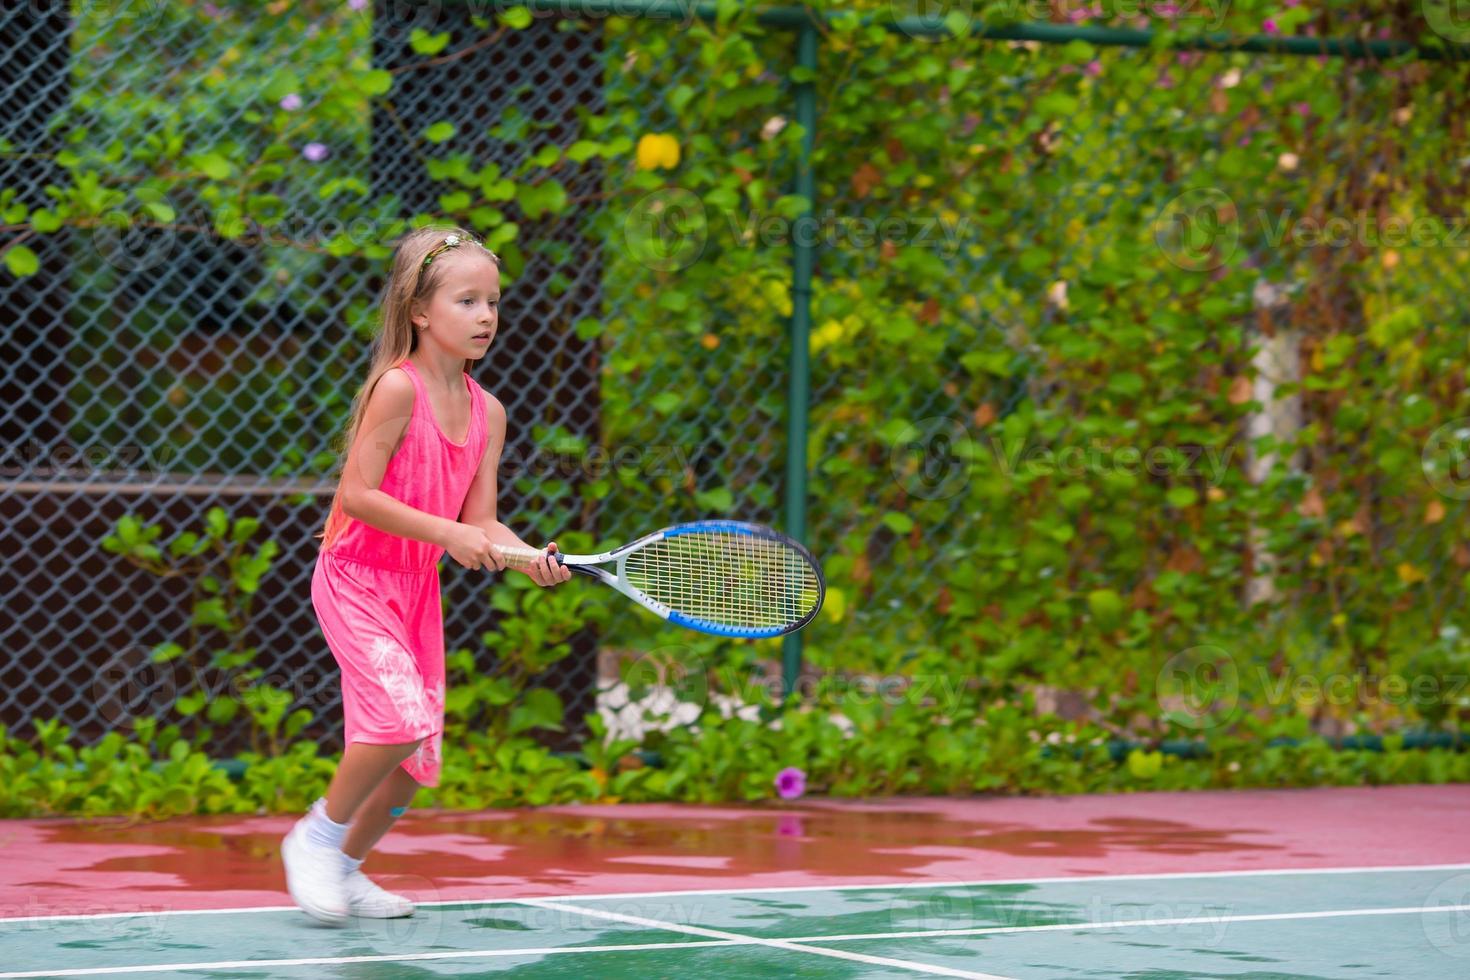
{"points": [[799, 381]]}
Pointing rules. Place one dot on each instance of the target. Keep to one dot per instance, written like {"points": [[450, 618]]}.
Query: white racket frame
{"points": [[587, 565]]}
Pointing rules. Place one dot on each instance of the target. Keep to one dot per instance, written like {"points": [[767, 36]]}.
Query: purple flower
{"points": [[315, 152], [1303, 108], [1270, 27], [291, 102], [210, 10], [790, 783], [357, 4], [1094, 68], [789, 825]]}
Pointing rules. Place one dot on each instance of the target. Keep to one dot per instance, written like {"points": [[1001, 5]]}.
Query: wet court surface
{"points": [[1304, 883]]}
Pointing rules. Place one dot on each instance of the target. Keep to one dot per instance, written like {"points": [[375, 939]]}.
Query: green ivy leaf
{"points": [[161, 212], [190, 704], [458, 201], [1181, 497], [165, 652], [222, 710], [584, 150], [212, 612], [897, 522], [719, 500], [957, 22], [1106, 607], [440, 132], [665, 402], [244, 529], [45, 221], [282, 83], [215, 167], [425, 43], [375, 82], [21, 261], [1145, 765]]}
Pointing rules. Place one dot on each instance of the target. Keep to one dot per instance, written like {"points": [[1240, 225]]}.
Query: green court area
{"points": [[1333, 923]]}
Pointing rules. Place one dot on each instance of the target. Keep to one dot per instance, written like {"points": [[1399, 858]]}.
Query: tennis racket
{"points": [[728, 578]]}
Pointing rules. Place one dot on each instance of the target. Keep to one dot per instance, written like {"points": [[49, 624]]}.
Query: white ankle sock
{"points": [[322, 830], [350, 863]]}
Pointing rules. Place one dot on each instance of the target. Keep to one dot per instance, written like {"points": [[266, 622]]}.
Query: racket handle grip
{"points": [[521, 557]]}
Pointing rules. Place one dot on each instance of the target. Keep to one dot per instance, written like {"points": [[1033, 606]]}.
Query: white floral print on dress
{"points": [[426, 756], [399, 676]]}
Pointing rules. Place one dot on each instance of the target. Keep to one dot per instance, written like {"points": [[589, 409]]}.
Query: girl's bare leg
{"points": [[363, 768], [376, 815]]}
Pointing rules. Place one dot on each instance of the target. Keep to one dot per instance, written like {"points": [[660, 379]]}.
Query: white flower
{"points": [[1056, 294]]}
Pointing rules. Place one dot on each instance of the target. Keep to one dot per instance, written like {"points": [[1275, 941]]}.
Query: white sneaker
{"points": [[314, 876], [366, 899]]}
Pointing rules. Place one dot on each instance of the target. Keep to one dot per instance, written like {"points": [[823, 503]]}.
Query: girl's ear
{"points": [[418, 314]]}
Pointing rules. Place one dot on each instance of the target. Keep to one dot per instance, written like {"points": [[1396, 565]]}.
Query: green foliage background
{"points": [[1035, 299]]}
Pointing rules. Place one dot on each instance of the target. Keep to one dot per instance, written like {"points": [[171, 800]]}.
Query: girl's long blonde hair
{"points": [[409, 283]]}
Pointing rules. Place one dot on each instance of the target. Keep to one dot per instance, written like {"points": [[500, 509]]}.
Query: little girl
{"points": [[418, 480]]}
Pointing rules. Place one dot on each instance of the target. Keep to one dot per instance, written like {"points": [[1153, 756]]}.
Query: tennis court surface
{"points": [[1351, 882]]}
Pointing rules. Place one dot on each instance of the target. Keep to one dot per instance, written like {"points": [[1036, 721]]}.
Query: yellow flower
{"points": [[657, 150], [836, 605], [827, 334]]}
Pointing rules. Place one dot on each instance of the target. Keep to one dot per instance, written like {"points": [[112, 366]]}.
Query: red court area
{"points": [[59, 866]]}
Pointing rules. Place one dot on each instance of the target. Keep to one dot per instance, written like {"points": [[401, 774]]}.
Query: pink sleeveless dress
{"points": [[376, 595]]}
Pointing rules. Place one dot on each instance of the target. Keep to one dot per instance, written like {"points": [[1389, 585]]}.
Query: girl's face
{"points": [[464, 312]]}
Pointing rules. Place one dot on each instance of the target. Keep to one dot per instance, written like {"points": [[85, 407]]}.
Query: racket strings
{"points": [[737, 580]]}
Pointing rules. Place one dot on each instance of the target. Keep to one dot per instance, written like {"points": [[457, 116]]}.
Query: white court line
{"points": [[787, 889], [726, 939], [1192, 920], [333, 960], [785, 944]]}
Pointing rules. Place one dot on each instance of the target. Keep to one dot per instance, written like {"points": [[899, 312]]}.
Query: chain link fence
{"points": [[1007, 330]]}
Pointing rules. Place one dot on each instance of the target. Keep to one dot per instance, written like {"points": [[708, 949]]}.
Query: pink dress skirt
{"points": [[377, 598]]}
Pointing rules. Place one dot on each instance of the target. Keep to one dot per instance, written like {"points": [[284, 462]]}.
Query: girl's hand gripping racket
{"points": [[723, 577]]}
